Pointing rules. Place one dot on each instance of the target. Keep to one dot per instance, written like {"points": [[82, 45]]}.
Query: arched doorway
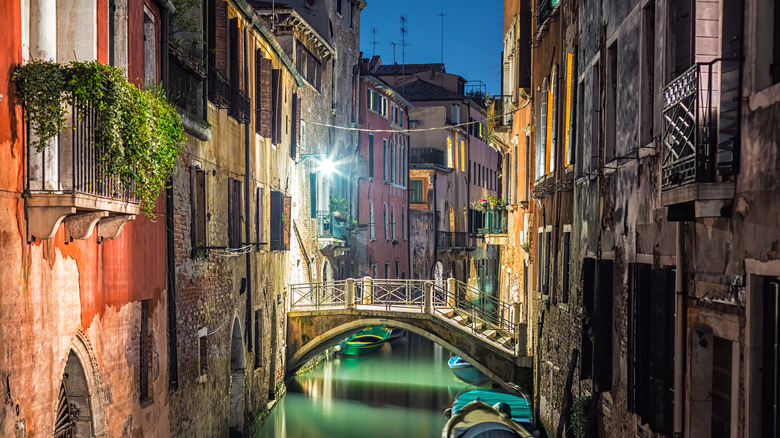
{"points": [[74, 410], [237, 366]]}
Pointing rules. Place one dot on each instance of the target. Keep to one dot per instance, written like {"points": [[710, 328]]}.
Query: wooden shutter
{"points": [[603, 317], [276, 106], [234, 213], [286, 221], [588, 283], [235, 37], [276, 220], [218, 36], [265, 97]]}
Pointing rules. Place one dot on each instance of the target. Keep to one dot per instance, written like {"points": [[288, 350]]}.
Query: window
{"points": [[387, 269], [595, 117], [259, 214], [602, 377], [392, 220], [383, 106], [308, 66], [552, 120], [462, 156], [541, 138], [295, 129], [401, 119], [150, 49], [611, 104], [280, 221], [548, 259], [588, 326], [371, 234], [721, 387], [416, 192], [203, 355], [370, 155], [313, 195], [566, 267], [403, 222], [397, 267], [647, 83], [568, 108], [258, 338], [263, 113], [144, 352], [387, 234], [198, 209], [450, 154], [452, 219], [276, 106], [372, 100], [770, 381], [338, 6], [385, 163], [234, 213], [455, 113]]}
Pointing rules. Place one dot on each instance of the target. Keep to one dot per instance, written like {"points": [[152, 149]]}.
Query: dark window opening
{"points": [[770, 379], [259, 214], [416, 192], [280, 221], [198, 210], [721, 388], [566, 251], [603, 317], [588, 323], [234, 213], [276, 106], [258, 339], [612, 90], [370, 155], [203, 355]]}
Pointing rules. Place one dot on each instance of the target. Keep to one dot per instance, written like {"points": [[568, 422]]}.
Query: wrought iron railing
{"points": [[186, 87], [219, 89], [427, 156], [493, 222], [315, 296], [329, 226], [77, 165], [457, 239], [691, 133], [240, 106]]}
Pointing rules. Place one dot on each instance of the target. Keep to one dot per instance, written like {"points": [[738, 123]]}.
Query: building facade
{"points": [[83, 301]]}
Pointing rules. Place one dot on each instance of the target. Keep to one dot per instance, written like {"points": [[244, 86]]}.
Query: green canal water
{"points": [[400, 391]]}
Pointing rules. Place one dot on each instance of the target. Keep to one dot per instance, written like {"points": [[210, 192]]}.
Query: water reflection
{"points": [[400, 391]]}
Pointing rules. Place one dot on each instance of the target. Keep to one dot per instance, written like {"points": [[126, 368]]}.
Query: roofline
{"points": [[258, 24], [371, 78], [289, 10]]}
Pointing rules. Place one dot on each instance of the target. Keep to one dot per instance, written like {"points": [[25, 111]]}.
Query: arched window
{"points": [[387, 235], [452, 219], [371, 234], [403, 221], [392, 220]]}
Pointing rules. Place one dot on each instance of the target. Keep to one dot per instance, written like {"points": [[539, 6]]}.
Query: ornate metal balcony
{"points": [[330, 226], [700, 124], [67, 181], [240, 106], [494, 222], [219, 89]]}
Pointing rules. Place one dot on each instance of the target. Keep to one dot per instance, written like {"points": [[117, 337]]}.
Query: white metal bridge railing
{"points": [[476, 311]]}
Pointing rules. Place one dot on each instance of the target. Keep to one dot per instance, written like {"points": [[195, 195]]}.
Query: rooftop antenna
{"points": [[442, 37], [393, 44], [373, 41], [403, 50]]}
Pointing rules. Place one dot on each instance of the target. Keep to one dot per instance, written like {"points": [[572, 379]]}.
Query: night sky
{"points": [[473, 33]]}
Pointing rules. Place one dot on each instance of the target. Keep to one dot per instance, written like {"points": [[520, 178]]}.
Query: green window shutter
{"points": [[313, 194]]}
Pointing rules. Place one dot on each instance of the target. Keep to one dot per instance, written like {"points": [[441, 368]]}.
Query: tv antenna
{"points": [[373, 41], [442, 37]]}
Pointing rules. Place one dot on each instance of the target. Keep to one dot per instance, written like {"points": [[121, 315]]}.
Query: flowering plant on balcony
{"points": [[489, 203], [137, 137]]}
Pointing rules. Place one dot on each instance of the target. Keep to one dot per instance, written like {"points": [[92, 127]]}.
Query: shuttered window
{"points": [[276, 106], [280, 221], [588, 324], [198, 211], [234, 213], [263, 99]]}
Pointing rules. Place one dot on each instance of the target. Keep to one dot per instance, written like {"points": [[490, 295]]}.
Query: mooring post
{"points": [[451, 292], [350, 293], [368, 289], [428, 297]]}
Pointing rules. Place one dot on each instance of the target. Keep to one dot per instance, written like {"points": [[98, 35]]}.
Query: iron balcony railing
{"points": [[186, 87], [74, 165], [219, 89], [700, 123], [329, 226], [458, 239], [240, 106], [493, 222], [503, 107], [425, 157]]}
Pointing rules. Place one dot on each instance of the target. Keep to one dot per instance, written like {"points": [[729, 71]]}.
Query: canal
{"points": [[400, 391]]}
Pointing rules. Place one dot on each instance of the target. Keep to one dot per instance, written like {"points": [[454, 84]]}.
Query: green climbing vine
{"points": [[140, 135]]}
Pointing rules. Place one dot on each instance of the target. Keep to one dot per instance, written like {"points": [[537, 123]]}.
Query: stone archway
{"points": [[237, 384], [80, 410]]}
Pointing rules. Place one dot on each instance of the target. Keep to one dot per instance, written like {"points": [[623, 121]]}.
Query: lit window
{"points": [[450, 156]]}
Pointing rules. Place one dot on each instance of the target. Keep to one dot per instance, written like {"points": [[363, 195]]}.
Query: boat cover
{"points": [[486, 430]]}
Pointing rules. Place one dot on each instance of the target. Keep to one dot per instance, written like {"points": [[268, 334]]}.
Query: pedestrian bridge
{"points": [[482, 329]]}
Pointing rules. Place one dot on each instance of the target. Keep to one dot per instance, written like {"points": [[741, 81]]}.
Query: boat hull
{"points": [[465, 371], [365, 342], [478, 419]]}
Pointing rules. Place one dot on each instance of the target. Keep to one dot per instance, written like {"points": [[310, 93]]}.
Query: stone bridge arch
{"points": [[311, 332]]}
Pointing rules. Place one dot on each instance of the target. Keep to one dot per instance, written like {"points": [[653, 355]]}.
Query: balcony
{"points": [[67, 183], [186, 80], [700, 139], [219, 89], [494, 226], [240, 106], [503, 105], [330, 226], [427, 158], [446, 240]]}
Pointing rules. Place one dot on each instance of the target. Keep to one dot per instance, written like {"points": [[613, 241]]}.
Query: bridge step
{"points": [[490, 333]]}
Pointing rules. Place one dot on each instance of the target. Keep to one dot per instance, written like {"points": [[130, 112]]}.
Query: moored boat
{"points": [[479, 420], [396, 334], [465, 371], [365, 341], [518, 406]]}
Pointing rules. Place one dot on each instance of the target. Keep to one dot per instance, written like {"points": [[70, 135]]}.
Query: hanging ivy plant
{"points": [[140, 135]]}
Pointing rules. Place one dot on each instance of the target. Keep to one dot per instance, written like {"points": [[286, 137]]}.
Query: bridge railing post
{"points": [[451, 292], [428, 298], [350, 286], [368, 290]]}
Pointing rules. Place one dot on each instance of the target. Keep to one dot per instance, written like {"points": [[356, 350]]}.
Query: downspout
{"points": [[679, 330], [170, 257], [435, 228], [247, 180]]}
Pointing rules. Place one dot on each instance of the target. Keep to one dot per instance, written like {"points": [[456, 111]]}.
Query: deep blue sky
{"points": [[473, 33]]}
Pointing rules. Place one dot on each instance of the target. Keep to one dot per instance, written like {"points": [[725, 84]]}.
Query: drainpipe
{"points": [[247, 214], [435, 229], [170, 259], [679, 330]]}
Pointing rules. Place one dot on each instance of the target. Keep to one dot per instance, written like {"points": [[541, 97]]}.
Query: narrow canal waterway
{"points": [[400, 391]]}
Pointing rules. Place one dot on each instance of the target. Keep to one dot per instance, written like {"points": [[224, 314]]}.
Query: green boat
{"points": [[365, 341]]}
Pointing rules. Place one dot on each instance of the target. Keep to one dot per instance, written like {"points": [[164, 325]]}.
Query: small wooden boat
{"points": [[465, 371], [396, 334], [365, 341], [518, 406], [479, 420]]}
